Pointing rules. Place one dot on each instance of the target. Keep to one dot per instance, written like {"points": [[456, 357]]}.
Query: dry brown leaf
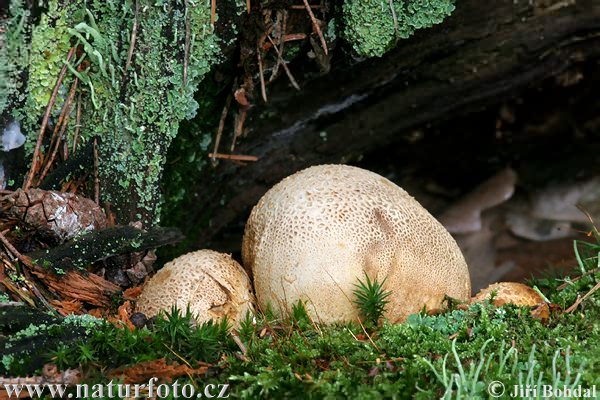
{"points": [[66, 307], [142, 372], [97, 312], [132, 293], [122, 317]]}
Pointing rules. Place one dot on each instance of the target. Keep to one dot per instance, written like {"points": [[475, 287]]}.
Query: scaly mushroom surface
{"points": [[212, 283], [509, 293], [317, 232]]}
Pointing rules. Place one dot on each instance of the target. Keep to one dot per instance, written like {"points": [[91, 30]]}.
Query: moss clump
{"points": [[454, 355], [50, 42], [136, 112], [374, 26], [132, 101], [13, 53]]}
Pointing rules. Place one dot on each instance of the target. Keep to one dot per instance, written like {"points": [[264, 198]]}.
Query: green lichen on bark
{"points": [[132, 102], [50, 42], [137, 112], [13, 53], [374, 26]]}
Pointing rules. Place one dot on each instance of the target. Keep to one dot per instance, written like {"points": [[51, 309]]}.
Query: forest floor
{"points": [[468, 351]]}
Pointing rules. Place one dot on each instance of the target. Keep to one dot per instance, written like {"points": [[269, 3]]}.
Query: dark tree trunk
{"points": [[484, 53]]}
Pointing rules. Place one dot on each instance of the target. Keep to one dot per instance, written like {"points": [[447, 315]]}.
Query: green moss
{"points": [[135, 112], [27, 332], [240, 6], [13, 53], [49, 45], [452, 355], [146, 102], [7, 361], [374, 26]]}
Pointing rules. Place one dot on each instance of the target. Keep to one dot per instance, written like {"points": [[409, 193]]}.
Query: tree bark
{"points": [[482, 54]]}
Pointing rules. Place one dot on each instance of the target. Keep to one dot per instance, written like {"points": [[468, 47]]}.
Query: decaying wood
{"points": [[49, 334], [60, 216], [481, 55], [101, 244], [79, 286]]}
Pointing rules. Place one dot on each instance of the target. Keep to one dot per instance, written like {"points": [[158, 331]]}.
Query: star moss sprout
{"points": [[371, 300]]}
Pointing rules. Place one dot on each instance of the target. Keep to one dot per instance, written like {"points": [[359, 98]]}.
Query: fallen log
{"points": [[483, 54]]}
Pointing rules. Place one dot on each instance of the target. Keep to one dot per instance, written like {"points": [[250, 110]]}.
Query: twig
{"points": [[65, 150], [316, 25], [63, 121], [186, 49], [394, 17], [77, 124], [240, 344], [294, 36], [589, 217], [248, 6], [284, 65], [213, 12], [28, 263], [564, 285], [366, 333], [38, 294], [581, 299], [263, 90], [96, 175], [299, 7], [178, 356], [288, 38], [24, 259], [238, 157], [239, 126], [61, 118], [221, 125], [36, 151], [133, 37], [281, 44], [17, 291]]}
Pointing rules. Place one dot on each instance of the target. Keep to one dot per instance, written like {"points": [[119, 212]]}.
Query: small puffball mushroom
{"points": [[509, 293], [212, 283], [316, 233]]}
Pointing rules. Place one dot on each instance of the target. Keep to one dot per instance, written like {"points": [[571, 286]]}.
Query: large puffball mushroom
{"points": [[212, 283], [316, 233]]}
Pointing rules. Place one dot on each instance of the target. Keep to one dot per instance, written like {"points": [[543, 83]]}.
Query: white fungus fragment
{"points": [[12, 138]]}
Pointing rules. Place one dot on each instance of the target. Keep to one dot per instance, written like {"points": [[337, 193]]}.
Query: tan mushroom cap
{"points": [[510, 293], [314, 234], [213, 284]]}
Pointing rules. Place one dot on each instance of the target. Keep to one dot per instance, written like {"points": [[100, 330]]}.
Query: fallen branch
{"points": [[237, 157], [316, 26]]}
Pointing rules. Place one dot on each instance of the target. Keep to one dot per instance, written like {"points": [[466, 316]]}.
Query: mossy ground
{"points": [[456, 354]]}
